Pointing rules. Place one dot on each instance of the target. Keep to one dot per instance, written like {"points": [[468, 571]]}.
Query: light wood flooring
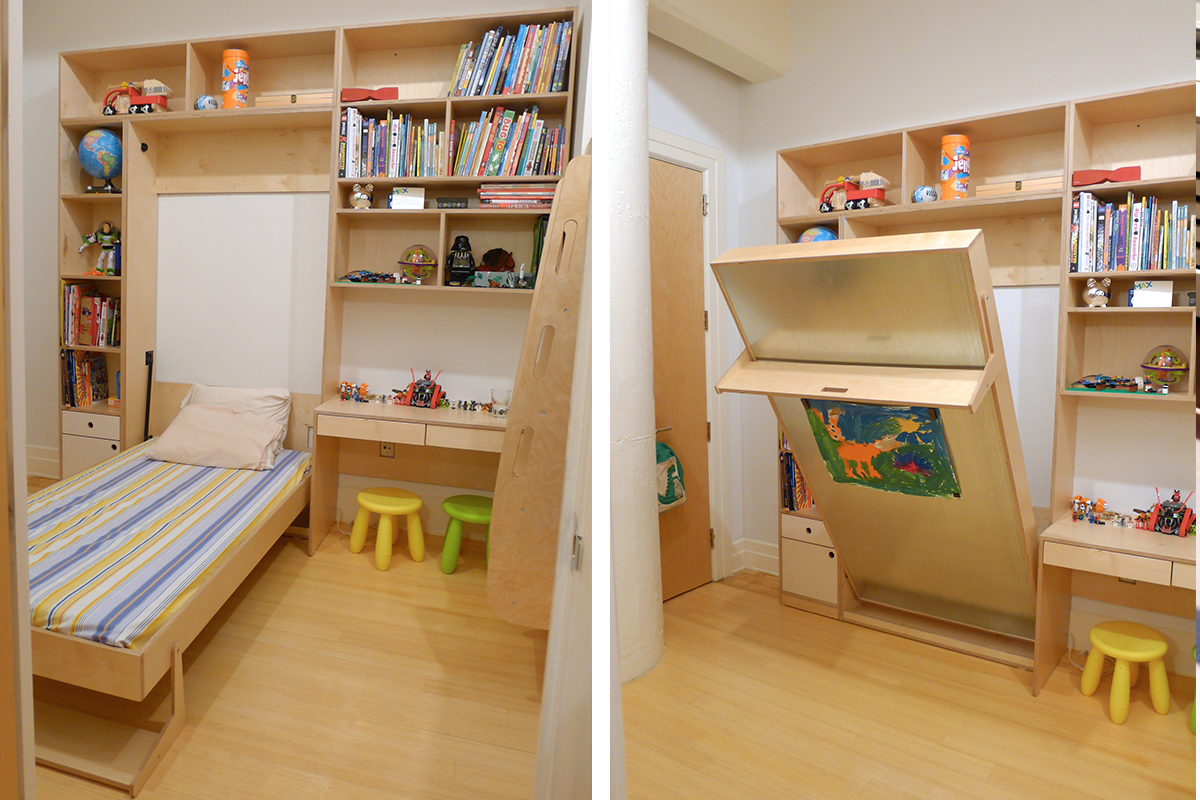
{"points": [[753, 699], [325, 678]]}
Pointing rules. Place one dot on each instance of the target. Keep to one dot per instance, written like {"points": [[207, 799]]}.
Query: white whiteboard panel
{"points": [[241, 289]]}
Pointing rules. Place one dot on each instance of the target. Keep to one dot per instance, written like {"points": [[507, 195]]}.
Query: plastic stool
{"points": [[1129, 644], [463, 508], [388, 502]]}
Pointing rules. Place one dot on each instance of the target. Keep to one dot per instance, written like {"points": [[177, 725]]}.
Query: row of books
{"points": [[795, 494], [1131, 236], [539, 240], [90, 318], [516, 195], [501, 143], [397, 146], [535, 59], [84, 378]]}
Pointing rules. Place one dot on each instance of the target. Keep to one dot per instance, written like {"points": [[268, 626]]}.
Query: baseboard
{"points": [[41, 461], [755, 555], [1179, 632]]}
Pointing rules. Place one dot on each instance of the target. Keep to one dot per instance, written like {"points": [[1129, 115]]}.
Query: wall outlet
{"points": [[387, 450]]}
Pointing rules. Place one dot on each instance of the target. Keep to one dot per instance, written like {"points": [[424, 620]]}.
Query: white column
{"points": [[623, 154]]}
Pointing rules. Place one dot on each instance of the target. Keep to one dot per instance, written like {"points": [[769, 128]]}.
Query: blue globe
{"points": [[818, 234], [100, 154]]}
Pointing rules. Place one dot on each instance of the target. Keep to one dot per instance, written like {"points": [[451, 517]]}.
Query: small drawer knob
{"points": [[91, 424]]}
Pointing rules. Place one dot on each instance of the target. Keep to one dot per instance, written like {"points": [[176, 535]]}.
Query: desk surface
{"points": [[1122, 540], [429, 416]]}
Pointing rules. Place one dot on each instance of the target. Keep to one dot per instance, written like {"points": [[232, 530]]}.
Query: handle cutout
{"points": [[524, 445], [570, 228], [834, 390], [541, 361]]}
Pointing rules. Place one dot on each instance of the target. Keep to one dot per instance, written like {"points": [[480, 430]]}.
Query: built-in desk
{"points": [[432, 445], [1154, 570]]}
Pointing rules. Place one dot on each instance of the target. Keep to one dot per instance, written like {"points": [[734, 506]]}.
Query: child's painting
{"points": [[893, 448]]}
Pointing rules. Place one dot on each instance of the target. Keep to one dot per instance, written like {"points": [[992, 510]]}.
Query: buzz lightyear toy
{"points": [[109, 239]]}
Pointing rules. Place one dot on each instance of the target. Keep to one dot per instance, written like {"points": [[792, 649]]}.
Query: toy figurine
{"points": [[1172, 517], [109, 239], [460, 264], [362, 196], [1096, 293], [423, 393], [346, 390]]}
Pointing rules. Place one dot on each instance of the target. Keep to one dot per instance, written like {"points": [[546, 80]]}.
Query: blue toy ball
{"points": [[206, 102], [818, 234], [924, 194]]}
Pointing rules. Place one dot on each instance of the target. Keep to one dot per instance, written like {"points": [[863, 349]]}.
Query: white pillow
{"points": [[213, 436], [275, 404]]}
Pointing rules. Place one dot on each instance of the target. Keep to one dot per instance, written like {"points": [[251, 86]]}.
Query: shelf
{"points": [[1017, 204], [1134, 541], [1129, 397], [1180, 311], [1170, 187], [88, 278], [807, 513], [450, 212], [96, 198], [553, 103], [95, 408], [1136, 275], [455, 181], [238, 119], [391, 287], [88, 349]]}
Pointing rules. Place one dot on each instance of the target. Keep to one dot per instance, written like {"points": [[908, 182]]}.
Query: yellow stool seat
{"points": [[1128, 644], [388, 502]]}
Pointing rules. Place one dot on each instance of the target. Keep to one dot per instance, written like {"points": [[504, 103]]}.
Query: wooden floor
{"points": [[753, 699], [325, 678]]}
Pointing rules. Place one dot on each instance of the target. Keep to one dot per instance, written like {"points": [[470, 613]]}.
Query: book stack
{"points": [[396, 146], [501, 143], [795, 494], [84, 378], [90, 319], [516, 195], [1132, 236], [532, 60]]}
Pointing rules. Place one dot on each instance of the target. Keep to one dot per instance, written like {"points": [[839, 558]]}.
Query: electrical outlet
{"points": [[387, 450]]}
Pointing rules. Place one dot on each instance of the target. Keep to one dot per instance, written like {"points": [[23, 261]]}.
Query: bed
{"points": [[129, 561]]}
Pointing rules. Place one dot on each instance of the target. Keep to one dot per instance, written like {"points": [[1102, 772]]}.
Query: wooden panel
{"points": [[1106, 562], [963, 638], [804, 529], [809, 570], [466, 469], [529, 483], [464, 438], [223, 162], [680, 375], [102, 426], [168, 397], [375, 430], [139, 232], [79, 662], [1160, 598], [749, 39], [1053, 621], [1183, 575]]}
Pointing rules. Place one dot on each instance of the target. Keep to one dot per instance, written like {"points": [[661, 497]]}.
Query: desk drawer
{"points": [[100, 426], [372, 430], [1183, 575], [1106, 562], [803, 529], [464, 438]]}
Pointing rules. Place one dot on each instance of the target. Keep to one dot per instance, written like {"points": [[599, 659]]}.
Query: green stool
{"points": [[463, 508]]}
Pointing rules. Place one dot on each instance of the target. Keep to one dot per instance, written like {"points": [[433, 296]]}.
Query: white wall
{"points": [[50, 29], [926, 62]]}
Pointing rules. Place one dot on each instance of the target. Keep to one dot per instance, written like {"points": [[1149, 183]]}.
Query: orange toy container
{"points": [[956, 166], [235, 79]]}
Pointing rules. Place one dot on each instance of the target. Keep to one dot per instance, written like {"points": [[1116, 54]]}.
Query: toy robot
{"points": [[109, 239]]}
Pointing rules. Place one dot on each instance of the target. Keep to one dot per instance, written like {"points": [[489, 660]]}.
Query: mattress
{"points": [[116, 549]]}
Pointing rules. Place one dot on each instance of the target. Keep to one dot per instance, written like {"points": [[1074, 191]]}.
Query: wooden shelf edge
{"points": [[1169, 311], [803, 513], [95, 408], [1137, 274], [1129, 397]]}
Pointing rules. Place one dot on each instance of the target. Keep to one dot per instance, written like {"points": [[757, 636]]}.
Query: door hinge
{"points": [[706, 319], [708, 431], [704, 209], [712, 540]]}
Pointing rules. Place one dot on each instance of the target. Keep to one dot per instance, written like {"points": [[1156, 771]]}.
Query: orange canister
{"points": [[235, 79], [956, 166]]}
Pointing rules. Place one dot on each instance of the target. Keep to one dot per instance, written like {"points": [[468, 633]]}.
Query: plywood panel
{"points": [[223, 162]]}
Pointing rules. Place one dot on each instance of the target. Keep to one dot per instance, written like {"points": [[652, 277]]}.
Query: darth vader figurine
{"points": [[460, 264]]}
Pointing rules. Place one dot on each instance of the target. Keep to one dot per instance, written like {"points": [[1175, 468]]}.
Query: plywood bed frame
{"points": [[113, 752]]}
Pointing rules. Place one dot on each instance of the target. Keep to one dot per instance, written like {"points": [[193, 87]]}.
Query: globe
{"points": [[100, 155], [818, 234]]}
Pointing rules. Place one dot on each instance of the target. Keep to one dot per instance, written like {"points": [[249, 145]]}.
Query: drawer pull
{"points": [[91, 424], [114, 447]]}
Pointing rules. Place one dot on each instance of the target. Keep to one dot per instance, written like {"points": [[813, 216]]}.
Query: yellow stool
{"points": [[1129, 644], [388, 503]]}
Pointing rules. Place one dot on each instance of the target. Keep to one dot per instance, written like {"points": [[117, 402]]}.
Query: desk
{"points": [[1155, 570], [433, 445]]}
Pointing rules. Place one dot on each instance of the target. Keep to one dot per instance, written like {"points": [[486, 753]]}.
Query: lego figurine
{"points": [[109, 239], [460, 264]]}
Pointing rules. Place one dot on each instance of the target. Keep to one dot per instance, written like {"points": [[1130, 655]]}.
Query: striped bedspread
{"points": [[115, 550]]}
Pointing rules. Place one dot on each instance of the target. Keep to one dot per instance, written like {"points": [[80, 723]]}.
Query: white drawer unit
{"points": [[803, 529], [809, 570], [87, 440]]}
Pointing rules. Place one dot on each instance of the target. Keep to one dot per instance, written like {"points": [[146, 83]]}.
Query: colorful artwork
{"points": [[893, 448]]}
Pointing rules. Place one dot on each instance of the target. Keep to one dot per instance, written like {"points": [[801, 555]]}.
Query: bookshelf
{"points": [[275, 149], [1028, 237], [810, 569]]}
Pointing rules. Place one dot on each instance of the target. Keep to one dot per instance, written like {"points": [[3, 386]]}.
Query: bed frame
{"points": [[117, 753]]}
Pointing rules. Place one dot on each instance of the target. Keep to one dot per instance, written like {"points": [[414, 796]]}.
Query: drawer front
{"points": [[83, 452], [372, 430], [802, 529], [464, 438], [101, 426], [809, 570], [1106, 562], [1183, 575]]}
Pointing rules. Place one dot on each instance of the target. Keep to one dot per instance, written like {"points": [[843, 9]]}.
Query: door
{"points": [[680, 384]]}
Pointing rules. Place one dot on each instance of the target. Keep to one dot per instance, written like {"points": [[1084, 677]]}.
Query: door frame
{"points": [[710, 163]]}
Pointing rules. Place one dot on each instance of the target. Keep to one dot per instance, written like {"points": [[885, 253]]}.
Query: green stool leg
{"points": [[358, 534], [453, 544]]}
